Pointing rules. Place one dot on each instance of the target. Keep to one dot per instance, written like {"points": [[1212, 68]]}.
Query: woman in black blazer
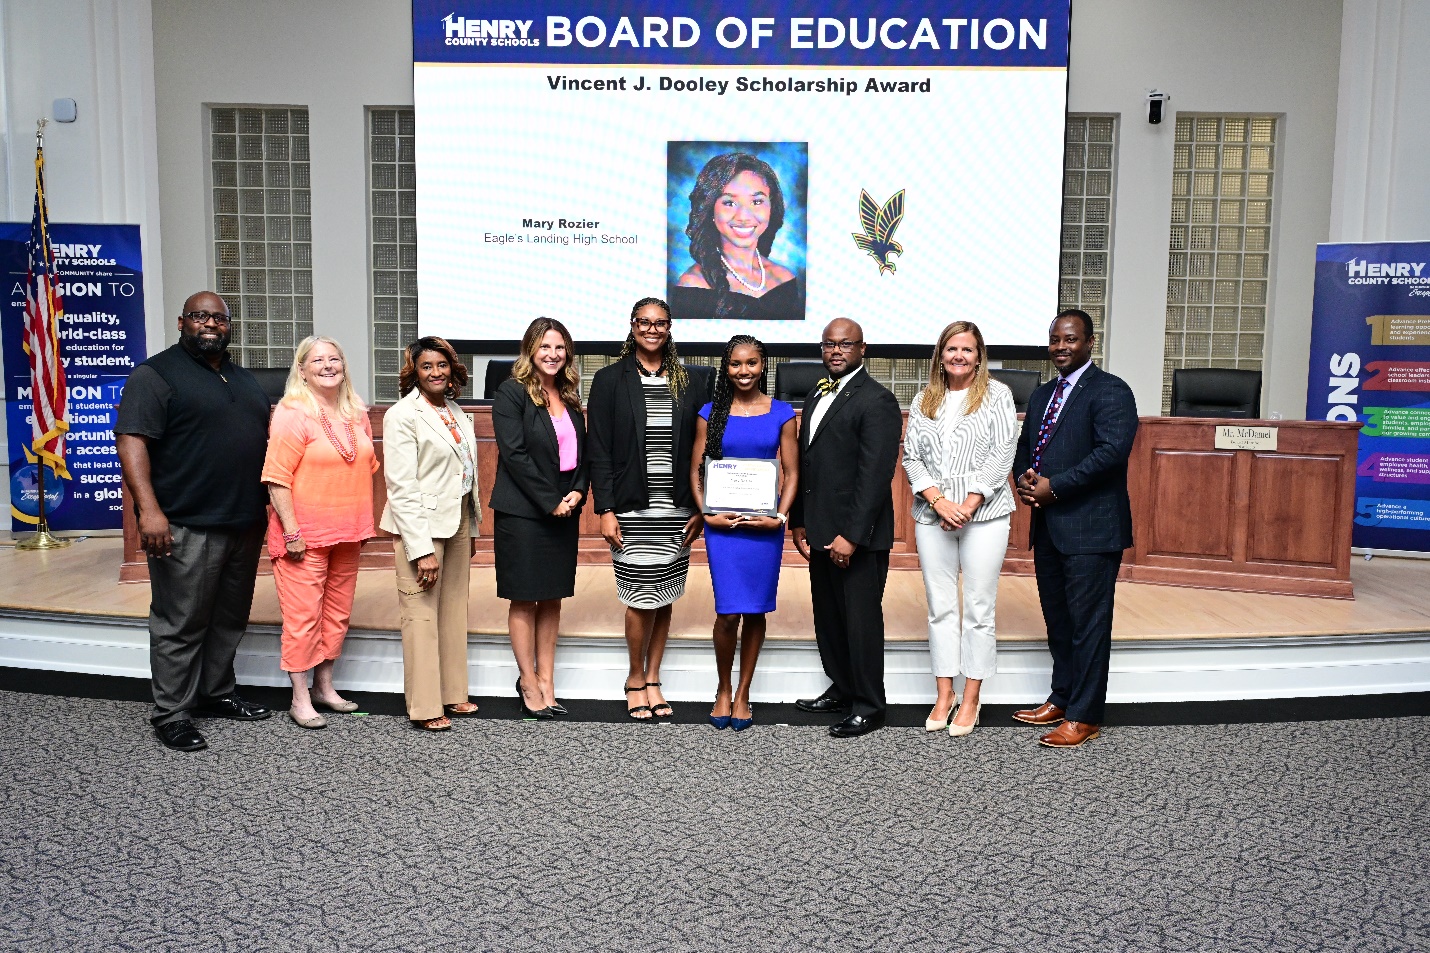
{"points": [[537, 496], [642, 414]]}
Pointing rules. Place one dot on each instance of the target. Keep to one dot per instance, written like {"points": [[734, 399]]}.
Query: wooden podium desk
{"points": [[1204, 517]]}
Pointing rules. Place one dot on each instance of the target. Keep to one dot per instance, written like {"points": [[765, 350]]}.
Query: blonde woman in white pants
{"points": [[958, 451]]}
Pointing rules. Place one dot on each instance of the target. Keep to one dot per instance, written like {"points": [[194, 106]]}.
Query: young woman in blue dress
{"points": [[744, 551]]}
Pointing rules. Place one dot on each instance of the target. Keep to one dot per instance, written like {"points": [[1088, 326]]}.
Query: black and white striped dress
{"points": [[651, 565]]}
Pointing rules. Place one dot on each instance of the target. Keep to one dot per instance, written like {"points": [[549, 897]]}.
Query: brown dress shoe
{"points": [[1070, 734], [1045, 714]]}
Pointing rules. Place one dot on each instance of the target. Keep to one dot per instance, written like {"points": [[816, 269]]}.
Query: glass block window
{"points": [[1086, 264], [1219, 256], [262, 228], [392, 230]]}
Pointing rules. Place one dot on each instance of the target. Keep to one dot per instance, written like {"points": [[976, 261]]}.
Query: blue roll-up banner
{"points": [[101, 340], [1370, 361]]}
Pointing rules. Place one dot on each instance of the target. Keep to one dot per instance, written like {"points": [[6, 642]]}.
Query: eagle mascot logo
{"points": [[879, 226]]}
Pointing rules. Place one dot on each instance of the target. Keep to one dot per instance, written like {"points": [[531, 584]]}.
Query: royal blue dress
{"points": [[745, 563]]}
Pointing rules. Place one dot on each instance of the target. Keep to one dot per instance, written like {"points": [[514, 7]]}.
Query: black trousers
{"points": [[849, 625], [1076, 591], [201, 595]]}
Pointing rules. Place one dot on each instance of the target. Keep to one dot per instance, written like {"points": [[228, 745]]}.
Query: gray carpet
{"points": [[517, 836]]}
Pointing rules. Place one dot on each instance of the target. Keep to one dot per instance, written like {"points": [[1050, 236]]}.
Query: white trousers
{"points": [[970, 648]]}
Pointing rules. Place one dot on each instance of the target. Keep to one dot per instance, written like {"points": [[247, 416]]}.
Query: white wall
{"points": [[336, 58], [1212, 56], [1382, 190]]}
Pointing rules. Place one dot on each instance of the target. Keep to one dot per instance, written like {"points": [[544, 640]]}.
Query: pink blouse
{"points": [[565, 439], [332, 498]]}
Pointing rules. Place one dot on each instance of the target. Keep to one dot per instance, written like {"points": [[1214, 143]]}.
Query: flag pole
{"points": [[41, 538]]}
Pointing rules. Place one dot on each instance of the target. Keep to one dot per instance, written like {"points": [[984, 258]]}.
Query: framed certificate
{"points": [[736, 485]]}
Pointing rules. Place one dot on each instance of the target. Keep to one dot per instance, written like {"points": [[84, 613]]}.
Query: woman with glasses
{"points": [[430, 456], [742, 421], [319, 473], [958, 452], [537, 496], [642, 416]]}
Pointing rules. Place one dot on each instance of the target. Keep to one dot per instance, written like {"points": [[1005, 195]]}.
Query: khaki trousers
{"points": [[434, 628]]}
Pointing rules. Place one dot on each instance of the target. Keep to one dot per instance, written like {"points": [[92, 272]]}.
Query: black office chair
{"points": [[497, 371], [702, 383], [1216, 392], [273, 380], [1021, 383], [795, 379]]}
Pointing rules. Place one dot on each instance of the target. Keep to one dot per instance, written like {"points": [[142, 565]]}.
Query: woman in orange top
{"points": [[319, 474]]}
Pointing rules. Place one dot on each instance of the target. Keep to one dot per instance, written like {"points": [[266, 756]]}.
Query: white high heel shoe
{"points": [[958, 731], [931, 724]]}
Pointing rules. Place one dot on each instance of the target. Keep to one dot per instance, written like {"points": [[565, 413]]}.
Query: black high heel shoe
{"points": [[633, 711], [543, 714]]}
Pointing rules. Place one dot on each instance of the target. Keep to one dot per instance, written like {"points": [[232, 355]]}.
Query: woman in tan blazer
{"points": [[430, 463]]}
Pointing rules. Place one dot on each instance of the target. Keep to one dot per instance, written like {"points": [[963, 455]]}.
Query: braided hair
{"points": [[725, 395], [676, 377]]}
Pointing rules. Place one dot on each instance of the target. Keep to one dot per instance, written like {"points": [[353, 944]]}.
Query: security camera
{"points": [[1154, 105]]}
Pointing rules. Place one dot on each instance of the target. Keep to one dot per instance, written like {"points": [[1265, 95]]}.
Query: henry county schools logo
{"points": [[879, 226], [467, 31]]}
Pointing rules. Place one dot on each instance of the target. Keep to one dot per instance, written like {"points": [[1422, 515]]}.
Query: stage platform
{"points": [[66, 610]]}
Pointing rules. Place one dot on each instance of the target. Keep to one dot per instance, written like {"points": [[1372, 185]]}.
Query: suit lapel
{"points": [[810, 402], [635, 392], [429, 416], [841, 399], [1082, 382], [549, 426]]}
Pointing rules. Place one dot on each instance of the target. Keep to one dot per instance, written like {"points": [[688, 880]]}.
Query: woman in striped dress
{"points": [[641, 419]]}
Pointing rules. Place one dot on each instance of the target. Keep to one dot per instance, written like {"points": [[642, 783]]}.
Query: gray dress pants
{"points": [[201, 595]]}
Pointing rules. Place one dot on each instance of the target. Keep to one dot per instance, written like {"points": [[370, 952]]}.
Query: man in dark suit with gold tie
{"points": [[843, 523], [1071, 465]]}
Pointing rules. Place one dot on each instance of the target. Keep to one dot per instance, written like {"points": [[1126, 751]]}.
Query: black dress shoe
{"points": [[825, 704], [181, 736], [231, 706], [856, 725]]}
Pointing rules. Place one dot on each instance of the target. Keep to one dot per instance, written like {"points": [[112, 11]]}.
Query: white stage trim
{"points": [[1142, 671]]}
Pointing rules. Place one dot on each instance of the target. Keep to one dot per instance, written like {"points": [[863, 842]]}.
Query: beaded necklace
{"points": [[348, 455], [450, 421]]}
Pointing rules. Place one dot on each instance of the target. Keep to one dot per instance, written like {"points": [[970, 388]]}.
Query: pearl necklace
{"points": [[760, 260]]}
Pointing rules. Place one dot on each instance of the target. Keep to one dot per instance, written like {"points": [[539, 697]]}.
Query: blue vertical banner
{"points": [[1370, 361], [101, 280]]}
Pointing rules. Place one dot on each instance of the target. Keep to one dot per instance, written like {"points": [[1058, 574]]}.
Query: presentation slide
{"points": [[764, 167]]}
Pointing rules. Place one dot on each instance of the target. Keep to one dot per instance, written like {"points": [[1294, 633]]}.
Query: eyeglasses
{"points": [[326, 361], [646, 324], [845, 346], [204, 317]]}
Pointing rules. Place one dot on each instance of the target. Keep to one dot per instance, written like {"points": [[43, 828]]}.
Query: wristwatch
{"points": [[782, 517]]}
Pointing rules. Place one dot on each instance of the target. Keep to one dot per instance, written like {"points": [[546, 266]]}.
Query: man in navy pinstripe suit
{"points": [[1071, 464]]}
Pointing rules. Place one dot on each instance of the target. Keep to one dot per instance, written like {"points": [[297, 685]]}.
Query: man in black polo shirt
{"points": [[192, 431]]}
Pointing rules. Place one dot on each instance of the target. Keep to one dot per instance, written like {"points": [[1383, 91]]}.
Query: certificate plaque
{"points": [[745, 486]]}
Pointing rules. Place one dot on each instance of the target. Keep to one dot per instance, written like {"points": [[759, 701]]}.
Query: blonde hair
{"points": [[297, 393], [524, 370], [932, 397]]}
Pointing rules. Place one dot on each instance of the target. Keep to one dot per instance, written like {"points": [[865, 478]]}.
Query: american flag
{"points": [[43, 310]]}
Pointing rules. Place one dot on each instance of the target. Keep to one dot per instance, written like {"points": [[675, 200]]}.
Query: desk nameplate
{"points": [[1245, 438]]}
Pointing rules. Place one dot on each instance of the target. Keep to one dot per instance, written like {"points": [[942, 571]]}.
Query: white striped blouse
{"points": [[962, 454]]}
